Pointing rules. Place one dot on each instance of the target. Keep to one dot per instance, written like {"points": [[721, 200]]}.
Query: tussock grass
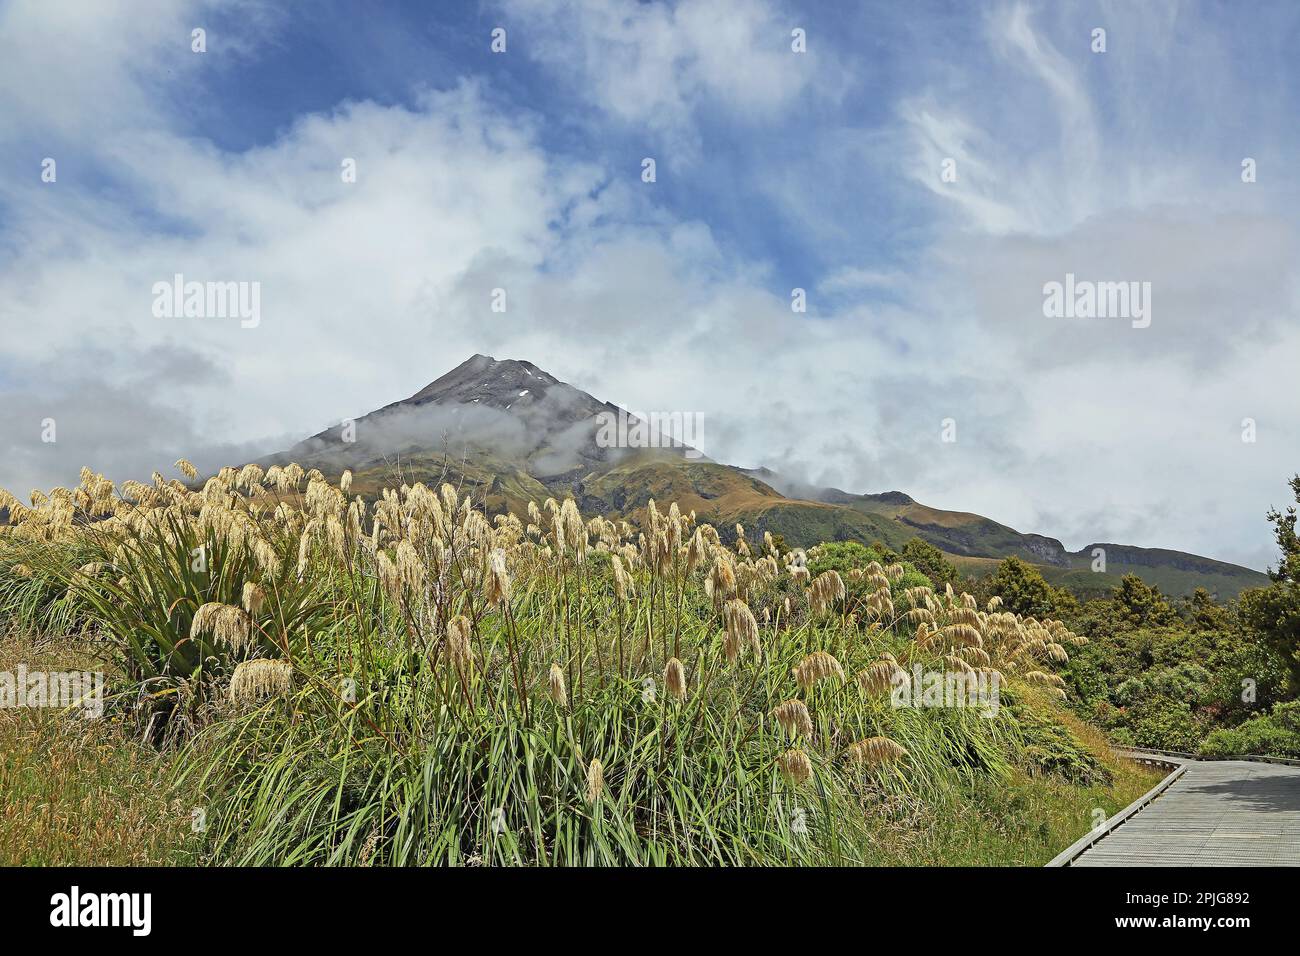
{"points": [[409, 681]]}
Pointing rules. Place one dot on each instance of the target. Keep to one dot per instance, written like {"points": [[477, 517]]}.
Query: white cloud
{"points": [[654, 65], [353, 276], [1124, 434], [371, 290]]}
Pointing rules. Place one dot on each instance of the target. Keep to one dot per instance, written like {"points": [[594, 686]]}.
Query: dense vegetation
{"points": [[1193, 676], [321, 679], [1198, 676]]}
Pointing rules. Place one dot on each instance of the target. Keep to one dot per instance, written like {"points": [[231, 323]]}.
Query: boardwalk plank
{"points": [[1219, 813]]}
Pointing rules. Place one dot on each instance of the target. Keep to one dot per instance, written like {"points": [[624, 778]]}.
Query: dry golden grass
{"points": [[77, 792]]}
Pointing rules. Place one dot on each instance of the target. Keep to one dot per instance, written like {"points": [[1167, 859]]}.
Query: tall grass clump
{"points": [[409, 680]]}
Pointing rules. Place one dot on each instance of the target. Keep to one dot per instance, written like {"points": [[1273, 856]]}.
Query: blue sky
{"points": [[332, 55], [776, 170]]}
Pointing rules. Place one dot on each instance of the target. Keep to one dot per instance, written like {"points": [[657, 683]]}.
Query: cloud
{"points": [[657, 65], [926, 297], [352, 276], [76, 74], [1107, 414], [124, 415]]}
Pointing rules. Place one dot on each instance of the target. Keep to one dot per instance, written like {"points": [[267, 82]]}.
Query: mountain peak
{"points": [[496, 383], [504, 410], [517, 433]]}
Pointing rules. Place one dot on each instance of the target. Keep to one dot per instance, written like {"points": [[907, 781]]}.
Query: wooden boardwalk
{"points": [[1217, 813]]}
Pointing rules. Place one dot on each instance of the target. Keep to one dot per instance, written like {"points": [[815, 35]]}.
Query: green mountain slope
{"points": [[507, 433]]}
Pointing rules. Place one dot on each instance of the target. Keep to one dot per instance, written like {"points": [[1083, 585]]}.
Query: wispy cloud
{"points": [[819, 171], [660, 66]]}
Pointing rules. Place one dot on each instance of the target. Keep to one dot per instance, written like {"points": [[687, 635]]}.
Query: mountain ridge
{"points": [[511, 433]]}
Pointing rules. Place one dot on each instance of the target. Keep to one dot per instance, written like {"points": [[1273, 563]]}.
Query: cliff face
{"points": [[1129, 555]]}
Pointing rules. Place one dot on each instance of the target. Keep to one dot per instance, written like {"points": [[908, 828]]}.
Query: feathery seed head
{"points": [[695, 551], [498, 579], [575, 531], [795, 766], [880, 677], [741, 629], [254, 598], [259, 679], [675, 678], [622, 581], [226, 623], [595, 780], [957, 664], [458, 646], [794, 718], [409, 566], [827, 588], [723, 578], [559, 693], [815, 667], [389, 579], [875, 751]]}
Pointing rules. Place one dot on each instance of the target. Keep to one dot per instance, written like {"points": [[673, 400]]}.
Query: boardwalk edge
{"points": [[1075, 849]]}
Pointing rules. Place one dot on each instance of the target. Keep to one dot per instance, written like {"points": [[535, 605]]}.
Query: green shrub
{"points": [[1275, 734], [1165, 723], [1051, 747]]}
